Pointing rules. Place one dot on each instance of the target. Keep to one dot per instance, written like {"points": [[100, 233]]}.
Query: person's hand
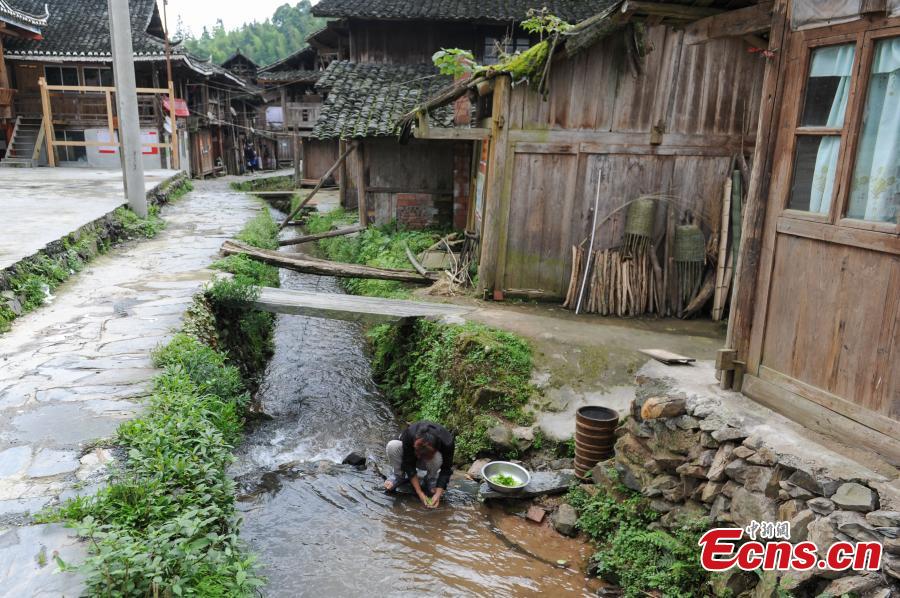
{"points": [[425, 500], [435, 501]]}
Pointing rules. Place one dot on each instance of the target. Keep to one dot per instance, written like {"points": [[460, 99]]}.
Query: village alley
{"points": [[73, 370]]}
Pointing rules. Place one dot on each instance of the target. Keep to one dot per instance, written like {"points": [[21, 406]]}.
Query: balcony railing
{"points": [[80, 108], [302, 115]]}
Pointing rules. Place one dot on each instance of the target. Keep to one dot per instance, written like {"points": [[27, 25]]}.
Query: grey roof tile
{"points": [[454, 10], [366, 100], [80, 28]]}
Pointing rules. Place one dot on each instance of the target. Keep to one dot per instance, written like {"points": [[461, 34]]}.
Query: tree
{"points": [[263, 42]]}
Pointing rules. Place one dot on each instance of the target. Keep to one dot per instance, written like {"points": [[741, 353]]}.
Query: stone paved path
{"points": [[72, 371]]}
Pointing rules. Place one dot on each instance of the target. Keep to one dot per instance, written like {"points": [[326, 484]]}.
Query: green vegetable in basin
{"points": [[501, 479]]}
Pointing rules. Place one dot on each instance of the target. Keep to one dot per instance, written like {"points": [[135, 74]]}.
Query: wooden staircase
{"points": [[25, 147]]}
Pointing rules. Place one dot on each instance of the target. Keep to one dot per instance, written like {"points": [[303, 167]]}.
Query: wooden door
{"points": [[826, 335]]}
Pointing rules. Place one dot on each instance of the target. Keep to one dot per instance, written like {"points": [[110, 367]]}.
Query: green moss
{"points": [[467, 377], [640, 557], [381, 246]]}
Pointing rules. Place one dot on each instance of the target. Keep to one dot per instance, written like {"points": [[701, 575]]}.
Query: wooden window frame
{"points": [[868, 41], [860, 233]]}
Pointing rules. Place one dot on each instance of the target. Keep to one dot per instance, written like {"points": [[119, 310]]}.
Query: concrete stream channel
{"points": [[324, 529]]}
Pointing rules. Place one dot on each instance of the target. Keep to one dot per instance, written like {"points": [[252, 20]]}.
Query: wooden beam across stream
{"points": [[351, 308]]}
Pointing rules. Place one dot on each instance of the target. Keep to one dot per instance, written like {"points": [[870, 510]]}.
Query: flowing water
{"points": [[323, 529]]}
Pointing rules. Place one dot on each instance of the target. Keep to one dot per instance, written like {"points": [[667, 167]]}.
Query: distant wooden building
{"points": [[14, 24], [816, 324], [384, 69], [73, 50]]}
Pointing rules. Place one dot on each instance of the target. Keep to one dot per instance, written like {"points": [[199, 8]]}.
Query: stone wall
{"points": [[695, 450]]}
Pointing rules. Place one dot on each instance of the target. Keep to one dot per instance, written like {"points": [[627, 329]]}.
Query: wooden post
{"points": [[49, 132], [361, 201], [341, 177], [298, 161], [494, 232], [110, 120], [744, 305], [176, 156]]}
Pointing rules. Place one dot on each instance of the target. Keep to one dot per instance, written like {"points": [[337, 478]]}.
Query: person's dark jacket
{"points": [[445, 444]]}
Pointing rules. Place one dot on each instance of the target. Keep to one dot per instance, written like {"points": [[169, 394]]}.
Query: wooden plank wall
{"points": [[599, 115], [414, 42], [409, 183], [318, 157], [836, 327]]}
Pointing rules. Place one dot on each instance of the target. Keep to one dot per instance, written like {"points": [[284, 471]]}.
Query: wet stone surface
{"points": [[74, 370]]}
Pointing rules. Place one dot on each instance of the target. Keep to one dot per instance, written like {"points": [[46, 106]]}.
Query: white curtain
{"points": [[875, 193], [835, 61]]}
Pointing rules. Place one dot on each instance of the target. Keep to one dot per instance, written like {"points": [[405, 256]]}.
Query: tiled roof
{"points": [[15, 15], [366, 100], [454, 10], [80, 28], [292, 76]]}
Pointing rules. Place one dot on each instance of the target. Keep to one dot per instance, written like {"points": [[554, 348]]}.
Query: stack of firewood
{"points": [[619, 284]]}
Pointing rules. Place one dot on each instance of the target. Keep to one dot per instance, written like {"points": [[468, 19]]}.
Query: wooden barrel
{"points": [[595, 437]]}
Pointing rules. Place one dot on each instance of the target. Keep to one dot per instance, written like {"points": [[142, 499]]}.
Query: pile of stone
{"points": [[698, 452]]}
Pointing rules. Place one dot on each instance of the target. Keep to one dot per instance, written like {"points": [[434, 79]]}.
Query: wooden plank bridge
{"points": [[350, 308]]}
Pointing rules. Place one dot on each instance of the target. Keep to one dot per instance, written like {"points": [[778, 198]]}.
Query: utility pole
{"points": [[130, 148]]}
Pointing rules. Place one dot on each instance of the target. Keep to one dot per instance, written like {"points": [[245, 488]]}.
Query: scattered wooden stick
{"points": [[318, 237], [340, 160], [308, 265]]}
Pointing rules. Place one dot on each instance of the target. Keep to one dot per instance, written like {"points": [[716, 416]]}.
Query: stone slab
{"points": [[42, 205]]}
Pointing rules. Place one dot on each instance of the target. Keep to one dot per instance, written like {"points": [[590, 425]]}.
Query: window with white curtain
{"points": [[875, 186], [820, 132]]}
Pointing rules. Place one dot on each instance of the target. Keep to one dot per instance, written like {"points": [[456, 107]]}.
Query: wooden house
{"points": [[815, 332], [384, 69], [73, 51], [804, 93], [14, 23]]}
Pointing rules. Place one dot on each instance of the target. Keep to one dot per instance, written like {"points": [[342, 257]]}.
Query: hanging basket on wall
{"points": [[690, 257], [639, 225]]}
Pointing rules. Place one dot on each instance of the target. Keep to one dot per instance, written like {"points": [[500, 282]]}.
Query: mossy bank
{"points": [[471, 378], [26, 285], [165, 524]]}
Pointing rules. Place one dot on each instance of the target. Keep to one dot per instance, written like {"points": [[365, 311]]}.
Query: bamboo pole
{"points": [[318, 237], [340, 160], [50, 133]]}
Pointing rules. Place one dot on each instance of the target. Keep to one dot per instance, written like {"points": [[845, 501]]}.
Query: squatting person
{"points": [[423, 445]]}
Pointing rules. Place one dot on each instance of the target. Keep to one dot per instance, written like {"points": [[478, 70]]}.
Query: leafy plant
{"points": [[544, 24], [135, 227], [454, 62], [381, 246], [632, 552]]}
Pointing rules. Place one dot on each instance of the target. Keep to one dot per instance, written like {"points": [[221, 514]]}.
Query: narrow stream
{"points": [[323, 529]]}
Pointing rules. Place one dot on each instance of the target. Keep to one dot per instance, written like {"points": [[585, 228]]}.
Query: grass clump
{"points": [[166, 525], [261, 231], [467, 377], [379, 246], [278, 183], [634, 551], [135, 227]]}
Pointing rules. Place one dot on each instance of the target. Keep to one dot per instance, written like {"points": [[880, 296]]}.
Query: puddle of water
{"points": [[326, 530]]}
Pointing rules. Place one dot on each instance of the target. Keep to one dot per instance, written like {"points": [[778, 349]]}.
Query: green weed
{"points": [[632, 553], [382, 246], [135, 227], [467, 377]]}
